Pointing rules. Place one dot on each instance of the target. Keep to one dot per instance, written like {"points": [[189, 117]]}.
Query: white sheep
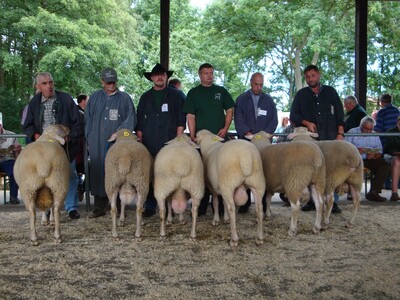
{"points": [[128, 171], [178, 170], [344, 168], [292, 168], [42, 174], [230, 168]]}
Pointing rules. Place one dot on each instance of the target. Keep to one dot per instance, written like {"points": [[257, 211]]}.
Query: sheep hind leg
{"points": [[230, 207], [139, 211], [259, 216], [318, 209], [295, 205], [32, 224], [215, 221], [113, 201], [56, 210], [268, 213], [195, 209], [356, 204], [328, 204], [169, 217], [163, 223]]}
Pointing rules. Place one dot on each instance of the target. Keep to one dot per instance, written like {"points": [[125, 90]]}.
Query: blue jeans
{"points": [[7, 167], [71, 201]]}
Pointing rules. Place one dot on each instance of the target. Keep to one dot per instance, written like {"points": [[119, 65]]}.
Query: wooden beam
{"points": [[361, 53], [164, 32]]}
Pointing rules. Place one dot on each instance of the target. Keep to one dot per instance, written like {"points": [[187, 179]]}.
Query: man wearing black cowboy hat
{"points": [[160, 119]]}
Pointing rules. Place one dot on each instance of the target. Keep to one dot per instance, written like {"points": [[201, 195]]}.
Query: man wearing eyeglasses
{"points": [[108, 110], [370, 148]]}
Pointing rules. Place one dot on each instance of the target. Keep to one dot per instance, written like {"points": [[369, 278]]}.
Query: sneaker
{"points": [[394, 197], [374, 196], [74, 214], [309, 206], [336, 209], [14, 200]]}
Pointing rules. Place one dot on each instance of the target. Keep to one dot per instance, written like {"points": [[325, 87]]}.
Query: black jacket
{"points": [[66, 113]]}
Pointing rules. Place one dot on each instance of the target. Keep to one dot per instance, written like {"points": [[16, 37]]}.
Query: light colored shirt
{"points": [[4, 144], [370, 142]]}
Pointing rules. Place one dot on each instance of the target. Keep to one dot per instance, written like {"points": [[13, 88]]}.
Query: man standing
{"points": [[318, 107], [386, 118], [82, 100], [160, 119], [254, 111], [48, 107], [208, 106], [108, 110], [10, 148], [354, 113]]}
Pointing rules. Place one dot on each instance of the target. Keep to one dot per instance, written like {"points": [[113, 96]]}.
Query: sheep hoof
{"points": [[34, 243], [57, 241], [193, 238], [226, 221], [215, 223], [234, 243], [324, 226], [115, 238], [349, 225], [316, 230], [138, 238], [182, 222], [121, 224], [292, 232], [45, 223], [168, 223], [163, 237], [259, 242]]}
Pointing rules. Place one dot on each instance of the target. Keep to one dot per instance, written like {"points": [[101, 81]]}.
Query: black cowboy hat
{"points": [[158, 68]]}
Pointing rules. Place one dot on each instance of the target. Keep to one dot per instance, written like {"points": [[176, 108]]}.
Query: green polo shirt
{"points": [[208, 104]]}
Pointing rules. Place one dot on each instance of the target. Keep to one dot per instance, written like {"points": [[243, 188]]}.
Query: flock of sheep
{"points": [[180, 173]]}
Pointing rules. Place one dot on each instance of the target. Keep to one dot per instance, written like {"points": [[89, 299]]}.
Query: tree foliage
{"points": [[75, 40]]}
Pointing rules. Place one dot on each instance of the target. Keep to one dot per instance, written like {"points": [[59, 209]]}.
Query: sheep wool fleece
{"points": [[104, 115]]}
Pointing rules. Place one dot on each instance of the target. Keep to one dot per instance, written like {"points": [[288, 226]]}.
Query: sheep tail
{"points": [[246, 165], [43, 169], [124, 165], [181, 172], [44, 199]]}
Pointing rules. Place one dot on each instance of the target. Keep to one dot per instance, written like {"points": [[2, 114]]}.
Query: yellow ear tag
{"points": [[126, 133], [215, 139], [257, 136], [51, 141]]}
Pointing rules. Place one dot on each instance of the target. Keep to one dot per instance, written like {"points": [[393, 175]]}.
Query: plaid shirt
{"points": [[48, 113]]}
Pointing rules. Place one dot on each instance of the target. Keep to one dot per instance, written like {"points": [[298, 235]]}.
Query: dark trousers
{"points": [[206, 200], [380, 169]]}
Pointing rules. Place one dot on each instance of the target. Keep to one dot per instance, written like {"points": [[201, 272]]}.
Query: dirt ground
{"points": [[339, 263]]}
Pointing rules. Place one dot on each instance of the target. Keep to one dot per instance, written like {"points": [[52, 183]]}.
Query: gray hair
{"points": [[367, 119], [42, 74], [351, 98]]}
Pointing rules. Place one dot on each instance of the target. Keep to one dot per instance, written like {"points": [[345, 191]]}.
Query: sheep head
{"points": [[302, 134], [56, 132], [205, 135], [183, 138], [261, 139], [123, 134]]}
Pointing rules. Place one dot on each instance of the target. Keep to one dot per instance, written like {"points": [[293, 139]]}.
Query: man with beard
{"points": [[160, 119], [318, 107]]}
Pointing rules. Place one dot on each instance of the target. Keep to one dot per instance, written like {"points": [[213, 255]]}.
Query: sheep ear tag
{"points": [[215, 139], [257, 136], [126, 133]]}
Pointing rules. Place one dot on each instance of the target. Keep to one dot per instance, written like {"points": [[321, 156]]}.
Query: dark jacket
{"points": [[353, 117], [245, 116], [66, 113], [159, 124]]}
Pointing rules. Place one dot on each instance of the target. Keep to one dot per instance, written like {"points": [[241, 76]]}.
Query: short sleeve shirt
{"points": [[208, 104]]}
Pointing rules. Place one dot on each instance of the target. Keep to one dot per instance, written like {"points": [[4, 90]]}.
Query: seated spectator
{"points": [[10, 148], [370, 148], [392, 148]]}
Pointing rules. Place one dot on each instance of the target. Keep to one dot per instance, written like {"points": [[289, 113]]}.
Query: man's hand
{"points": [[222, 133]]}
